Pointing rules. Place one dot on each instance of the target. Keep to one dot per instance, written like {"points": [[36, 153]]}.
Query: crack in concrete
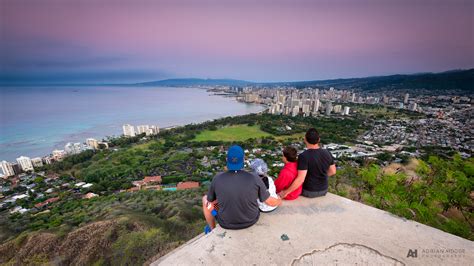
{"points": [[210, 250], [352, 245]]}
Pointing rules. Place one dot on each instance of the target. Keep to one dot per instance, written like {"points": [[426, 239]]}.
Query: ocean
{"points": [[36, 120]]}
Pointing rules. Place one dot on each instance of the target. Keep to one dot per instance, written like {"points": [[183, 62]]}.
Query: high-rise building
{"points": [[337, 109], [295, 111], [73, 148], [92, 143], [282, 99], [48, 159], [405, 100], [272, 109], [37, 162], [328, 108], [142, 129], [294, 95], [25, 163], [306, 109], [7, 169], [277, 97], [69, 148], [346, 110], [128, 130], [16, 168], [412, 107], [58, 155], [275, 109], [251, 98], [152, 130], [331, 93], [316, 106], [295, 102]]}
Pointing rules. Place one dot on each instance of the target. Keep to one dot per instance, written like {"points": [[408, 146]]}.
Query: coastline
{"points": [[37, 145]]}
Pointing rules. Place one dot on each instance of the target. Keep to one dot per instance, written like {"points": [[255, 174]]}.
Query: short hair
{"points": [[290, 153], [312, 136]]}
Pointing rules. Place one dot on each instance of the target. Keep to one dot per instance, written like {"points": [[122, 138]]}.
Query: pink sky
{"points": [[268, 41]]}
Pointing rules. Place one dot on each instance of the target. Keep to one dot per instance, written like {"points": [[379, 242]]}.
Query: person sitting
{"points": [[235, 192], [315, 165], [260, 168], [288, 173]]}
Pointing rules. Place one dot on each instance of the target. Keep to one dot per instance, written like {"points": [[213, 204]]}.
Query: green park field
{"points": [[232, 133]]}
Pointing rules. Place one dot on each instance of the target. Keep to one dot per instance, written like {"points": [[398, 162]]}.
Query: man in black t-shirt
{"points": [[315, 165], [234, 195]]}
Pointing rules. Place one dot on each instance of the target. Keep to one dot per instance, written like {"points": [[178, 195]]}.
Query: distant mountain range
{"points": [[450, 80]]}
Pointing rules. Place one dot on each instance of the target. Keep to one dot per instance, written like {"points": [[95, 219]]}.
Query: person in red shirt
{"points": [[288, 173]]}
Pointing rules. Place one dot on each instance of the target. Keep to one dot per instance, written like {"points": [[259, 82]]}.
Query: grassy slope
{"points": [[124, 228], [232, 133]]}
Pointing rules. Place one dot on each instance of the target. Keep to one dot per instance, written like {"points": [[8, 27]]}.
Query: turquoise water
{"points": [[36, 120], [170, 188]]}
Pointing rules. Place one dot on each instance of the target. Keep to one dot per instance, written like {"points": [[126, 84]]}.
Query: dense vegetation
{"points": [[138, 226], [461, 80], [129, 228], [436, 192], [176, 155]]}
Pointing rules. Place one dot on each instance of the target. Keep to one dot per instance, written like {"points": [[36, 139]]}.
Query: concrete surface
{"points": [[329, 230]]}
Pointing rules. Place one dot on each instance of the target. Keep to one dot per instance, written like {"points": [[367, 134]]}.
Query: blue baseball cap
{"points": [[235, 158]]}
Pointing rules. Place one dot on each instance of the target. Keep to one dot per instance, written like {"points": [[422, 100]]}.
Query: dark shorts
{"points": [[313, 194]]}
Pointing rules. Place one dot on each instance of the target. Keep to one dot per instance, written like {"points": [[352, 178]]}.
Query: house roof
{"points": [[149, 179], [46, 202], [187, 185], [90, 195]]}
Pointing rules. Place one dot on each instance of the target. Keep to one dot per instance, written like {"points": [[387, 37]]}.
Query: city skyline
{"points": [[109, 41]]}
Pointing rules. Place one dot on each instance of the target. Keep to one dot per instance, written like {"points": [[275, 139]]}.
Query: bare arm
{"points": [[332, 170], [296, 183], [271, 201]]}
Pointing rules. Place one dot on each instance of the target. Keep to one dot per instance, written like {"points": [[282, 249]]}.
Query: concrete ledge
{"points": [[328, 230]]}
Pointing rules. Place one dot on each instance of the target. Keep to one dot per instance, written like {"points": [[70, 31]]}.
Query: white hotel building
{"points": [[25, 163], [128, 130], [7, 169]]}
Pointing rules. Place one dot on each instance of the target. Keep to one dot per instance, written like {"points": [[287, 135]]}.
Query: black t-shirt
{"points": [[317, 162], [237, 193]]}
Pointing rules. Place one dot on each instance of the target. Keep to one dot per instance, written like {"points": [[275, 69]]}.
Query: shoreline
{"points": [[56, 145]]}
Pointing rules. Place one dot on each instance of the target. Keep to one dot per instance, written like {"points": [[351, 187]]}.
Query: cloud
{"points": [[41, 60], [81, 77], [253, 40], [27, 53]]}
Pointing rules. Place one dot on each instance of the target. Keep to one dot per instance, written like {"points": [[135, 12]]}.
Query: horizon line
{"points": [[229, 79]]}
